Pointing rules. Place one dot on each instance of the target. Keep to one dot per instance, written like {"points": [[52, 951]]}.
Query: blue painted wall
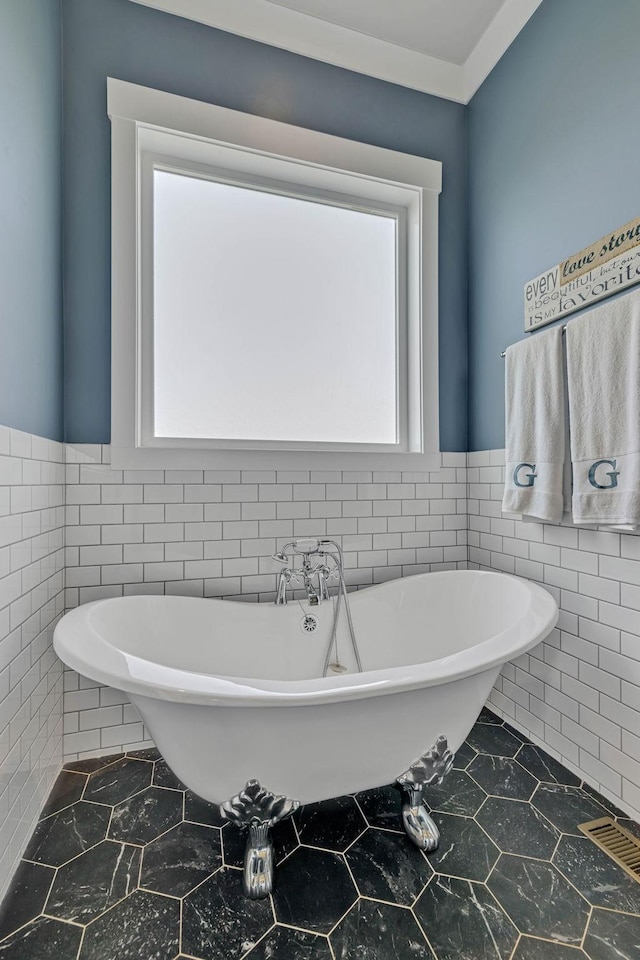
{"points": [[554, 141], [30, 217], [131, 42]]}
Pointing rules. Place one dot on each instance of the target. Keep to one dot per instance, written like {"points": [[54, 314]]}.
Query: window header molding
{"points": [[142, 116]]}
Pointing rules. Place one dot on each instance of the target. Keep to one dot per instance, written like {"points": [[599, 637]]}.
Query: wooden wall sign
{"points": [[600, 270]]}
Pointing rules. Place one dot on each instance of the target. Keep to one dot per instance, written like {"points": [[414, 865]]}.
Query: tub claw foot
{"points": [[432, 768], [258, 809]]}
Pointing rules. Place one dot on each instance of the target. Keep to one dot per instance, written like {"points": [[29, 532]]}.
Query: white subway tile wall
{"points": [[31, 601], [212, 534], [577, 693]]}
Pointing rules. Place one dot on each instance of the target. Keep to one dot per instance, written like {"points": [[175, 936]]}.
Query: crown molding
{"points": [[321, 40]]}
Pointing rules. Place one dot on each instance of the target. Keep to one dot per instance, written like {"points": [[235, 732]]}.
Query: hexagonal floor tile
{"points": [[25, 896], [465, 850], [147, 753], [596, 876], [456, 794], [373, 930], [313, 890], [531, 949], [612, 936], [163, 776], [66, 790], [331, 824], [502, 777], [44, 939], [566, 807], [387, 866], [94, 881], [517, 827], [67, 833], [146, 815], [462, 921], [181, 859], [538, 899], [118, 781], [488, 716], [218, 920], [464, 756], [283, 943], [382, 807], [489, 738], [201, 811], [143, 925], [544, 768]]}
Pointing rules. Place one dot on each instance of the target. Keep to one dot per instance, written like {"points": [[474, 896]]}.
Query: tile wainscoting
{"points": [[578, 693], [31, 602], [212, 534]]}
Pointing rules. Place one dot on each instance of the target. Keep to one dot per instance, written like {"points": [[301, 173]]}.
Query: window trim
{"points": [[142, 116]]}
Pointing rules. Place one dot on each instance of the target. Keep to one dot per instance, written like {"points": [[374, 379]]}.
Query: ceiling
{"points": [[446, 29], [443, 47]]}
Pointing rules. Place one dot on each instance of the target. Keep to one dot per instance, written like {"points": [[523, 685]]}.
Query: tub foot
{"points": [[431, 768], [258, 809]]}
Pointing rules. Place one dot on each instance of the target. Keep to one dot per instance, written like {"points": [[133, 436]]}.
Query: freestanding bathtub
{"points": [[233, 692]]}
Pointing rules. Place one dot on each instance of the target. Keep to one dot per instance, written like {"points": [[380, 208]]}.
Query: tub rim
{"points": [[138, 676]]}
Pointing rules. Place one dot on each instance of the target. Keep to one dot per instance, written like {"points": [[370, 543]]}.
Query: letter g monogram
{"points": [[613, 473], [531, 477]]}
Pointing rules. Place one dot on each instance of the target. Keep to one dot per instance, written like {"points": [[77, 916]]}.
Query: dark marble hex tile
{"points": [[146, 815], [515, 733], [181, 859], [611, 936], [456, 794], [313, 890], [609, 807], [163, 776], [119, 781], [332, 824], [43, 939], [465, 849], [566, 807], [91, 764], [464, 756], [545, 768], [65, 791], [148, 753], [25, 896], [502, 777], [386, 866], [143, 925], [463, 921], [531, 949], [539, 900], [234, 842], [596, 876], [282, 943], [94, 881], [218, 921], [488, 738], [517, 827], [372, 930], [382, 807], [488, 716], [201, 811], [67, 833]]}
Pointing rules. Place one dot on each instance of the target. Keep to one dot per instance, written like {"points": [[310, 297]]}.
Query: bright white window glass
{"points": [[274, 317]]}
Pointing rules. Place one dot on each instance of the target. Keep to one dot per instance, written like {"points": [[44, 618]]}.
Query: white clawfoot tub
{"points": [[233, 692]]}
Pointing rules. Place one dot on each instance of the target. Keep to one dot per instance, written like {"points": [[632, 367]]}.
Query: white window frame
{"points": [[152, 127]]}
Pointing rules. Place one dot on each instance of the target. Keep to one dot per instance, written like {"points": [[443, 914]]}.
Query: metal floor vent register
{"points": [[617, 842]]}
